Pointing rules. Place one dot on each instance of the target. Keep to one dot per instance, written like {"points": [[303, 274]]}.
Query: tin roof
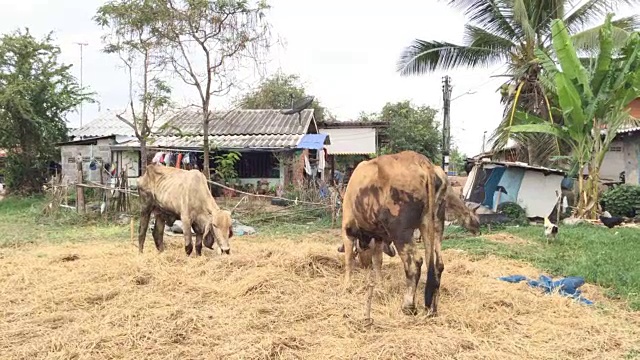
{"points": [[238, 122], [106, 124], [265, 142], [236, 129]]}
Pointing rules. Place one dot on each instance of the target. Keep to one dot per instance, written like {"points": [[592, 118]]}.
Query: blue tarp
{"points": [[510, 181], [566, 286], [312, 141], [491, 185]]}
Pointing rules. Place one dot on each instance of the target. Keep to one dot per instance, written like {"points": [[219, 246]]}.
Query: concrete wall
{"points": [[614, 162], [631, 150], [101, 152]]}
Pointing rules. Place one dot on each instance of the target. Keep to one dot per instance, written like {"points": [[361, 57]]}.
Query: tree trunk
{"points": [[143, 156], [205, 144]]}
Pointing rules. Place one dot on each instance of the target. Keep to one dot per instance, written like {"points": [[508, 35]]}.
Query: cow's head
{"points": [[472, 223], [221, 231]]}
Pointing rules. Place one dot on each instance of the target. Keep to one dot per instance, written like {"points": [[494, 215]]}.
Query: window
{"points": [[258, 165]]}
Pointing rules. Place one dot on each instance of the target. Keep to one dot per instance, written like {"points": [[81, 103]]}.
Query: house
{"points": [[92, 142], [494, 183], [267, 140], [353, 138], [624, 152]]}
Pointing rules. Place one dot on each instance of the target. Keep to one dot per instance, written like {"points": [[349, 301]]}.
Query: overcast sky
{"points": [[344, 51]]}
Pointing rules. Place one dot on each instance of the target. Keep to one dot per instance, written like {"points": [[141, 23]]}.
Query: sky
{"points": [[344, 51]]}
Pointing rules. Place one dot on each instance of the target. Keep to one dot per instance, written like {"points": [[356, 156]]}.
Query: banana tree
{"points": [[594, 102]]}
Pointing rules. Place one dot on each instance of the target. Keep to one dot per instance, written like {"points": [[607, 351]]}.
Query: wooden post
{"points": [[80, 206], [333, 169], [333, 208]]}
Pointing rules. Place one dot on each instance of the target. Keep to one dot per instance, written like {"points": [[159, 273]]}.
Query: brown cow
{"points": [[182, 194], [387, 198]]}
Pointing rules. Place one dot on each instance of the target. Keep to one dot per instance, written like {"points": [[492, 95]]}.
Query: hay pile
{"points": [[272, 299]]}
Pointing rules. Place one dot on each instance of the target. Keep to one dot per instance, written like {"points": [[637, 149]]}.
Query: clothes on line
{"points": [[177, 160]]}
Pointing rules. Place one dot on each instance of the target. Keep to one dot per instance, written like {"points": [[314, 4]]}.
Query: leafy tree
{"points": [[36, 93], [512, 31], [412, 128], [276, 92], [207, 42], [593, 99], [457, 160], [131, 36]]}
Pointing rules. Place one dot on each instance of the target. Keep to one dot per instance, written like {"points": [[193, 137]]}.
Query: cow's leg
{"points": [[411, 271], [198, 244], [186, 230], [348, 243], [435, 267], [145, 214], [375, 249], [158, 232]]}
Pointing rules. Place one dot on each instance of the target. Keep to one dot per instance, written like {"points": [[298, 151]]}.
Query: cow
{"points": [[172, 194], [386, 199], [454, 205]]}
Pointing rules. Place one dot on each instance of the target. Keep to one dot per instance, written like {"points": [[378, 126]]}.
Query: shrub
{"points": [[622, 200], [516, 214]]}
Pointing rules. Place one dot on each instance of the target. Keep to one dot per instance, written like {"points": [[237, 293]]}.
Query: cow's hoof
{"points": [[409, 310], [431, 313], [188, 249], [341, 248]]}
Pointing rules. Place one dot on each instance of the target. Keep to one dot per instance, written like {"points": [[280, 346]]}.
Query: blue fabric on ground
{"points": [[566, 286]]}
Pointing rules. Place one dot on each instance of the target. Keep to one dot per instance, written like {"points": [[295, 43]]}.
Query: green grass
{"points": [[607, 257], [22, 222]]}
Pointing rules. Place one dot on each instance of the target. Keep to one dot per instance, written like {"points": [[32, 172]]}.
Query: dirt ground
{"points": [[281, 297]]}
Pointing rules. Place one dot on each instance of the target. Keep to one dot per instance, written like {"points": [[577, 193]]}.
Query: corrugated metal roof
{"points": [[105, 125], [314, 141], [239, 122], [629, 129], [108, 124], [223, 142]]}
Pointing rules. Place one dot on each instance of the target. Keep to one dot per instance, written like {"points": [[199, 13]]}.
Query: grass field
{"points": [[83, 292]]}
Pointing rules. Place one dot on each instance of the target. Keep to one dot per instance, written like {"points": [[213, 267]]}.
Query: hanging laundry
{"points": [[185, 159], [167, 159], [307, 165], [156, 157], [179, 161], [321, 160]]}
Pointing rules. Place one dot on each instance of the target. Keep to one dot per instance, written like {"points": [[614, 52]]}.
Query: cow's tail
{"points": [[431, 203]]}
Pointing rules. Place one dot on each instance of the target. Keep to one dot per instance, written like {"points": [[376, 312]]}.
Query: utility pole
{"points": [[81, 46], [446, 122], [484, 135]]}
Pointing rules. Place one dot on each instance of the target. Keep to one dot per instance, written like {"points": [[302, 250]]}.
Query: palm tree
{"points": [[510, 31]]}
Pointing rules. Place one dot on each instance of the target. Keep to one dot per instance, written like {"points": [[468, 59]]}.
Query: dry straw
{"points": [[275, 298]]}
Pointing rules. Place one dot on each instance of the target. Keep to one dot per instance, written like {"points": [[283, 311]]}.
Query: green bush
{"points": [[516, 214], [622, 200]]}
